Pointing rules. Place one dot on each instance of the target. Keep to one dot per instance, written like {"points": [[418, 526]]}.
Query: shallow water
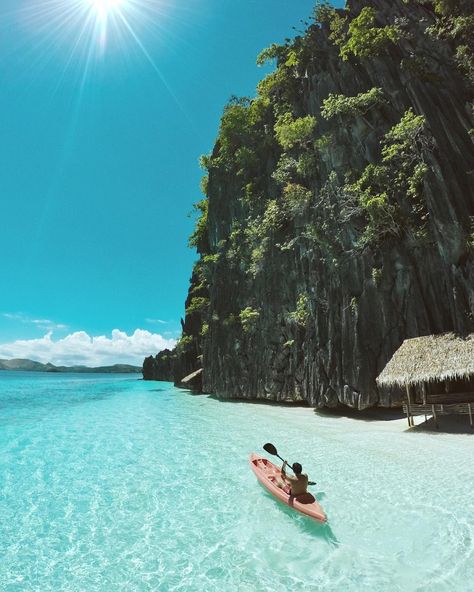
{"points": [[109, 483]]}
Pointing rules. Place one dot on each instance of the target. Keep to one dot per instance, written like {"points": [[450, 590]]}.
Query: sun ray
{"points": [[156, 69], [80, 35], [86, 31], [42, 17]]}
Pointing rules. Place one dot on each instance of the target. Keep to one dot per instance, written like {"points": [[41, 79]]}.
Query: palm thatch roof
{"points": [[428, 359]]}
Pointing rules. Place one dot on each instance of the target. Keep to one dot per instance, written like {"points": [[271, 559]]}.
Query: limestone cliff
{"points": [[339, 217], [160, 367]]}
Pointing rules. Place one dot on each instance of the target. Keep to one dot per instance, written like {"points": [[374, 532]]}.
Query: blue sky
{"points": [[99, 153]]}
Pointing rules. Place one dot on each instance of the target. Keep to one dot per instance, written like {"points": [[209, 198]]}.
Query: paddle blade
{"points": [[270, 448]]}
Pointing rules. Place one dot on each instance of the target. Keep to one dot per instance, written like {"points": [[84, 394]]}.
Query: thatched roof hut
{"points": [[431, 358]]}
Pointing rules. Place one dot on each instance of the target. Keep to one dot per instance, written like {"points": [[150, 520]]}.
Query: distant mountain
{"points": [[21, 364], [32, 366]]}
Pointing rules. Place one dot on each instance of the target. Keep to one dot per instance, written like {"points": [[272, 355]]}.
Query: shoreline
{"points": [[448, 424]]}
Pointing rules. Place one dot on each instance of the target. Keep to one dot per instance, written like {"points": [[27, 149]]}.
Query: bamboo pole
{"points": [[470, 413]]}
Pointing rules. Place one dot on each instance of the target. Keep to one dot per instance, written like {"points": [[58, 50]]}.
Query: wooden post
{"points": [[433, 409], [409, 417], [470, 413]]}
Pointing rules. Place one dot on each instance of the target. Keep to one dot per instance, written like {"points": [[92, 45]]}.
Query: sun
{"points": [[106, 13], [106, 5], [105, 8]]}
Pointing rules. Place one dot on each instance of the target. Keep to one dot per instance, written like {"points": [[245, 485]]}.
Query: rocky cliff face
{"points": [[160, 367], [340, 210]]}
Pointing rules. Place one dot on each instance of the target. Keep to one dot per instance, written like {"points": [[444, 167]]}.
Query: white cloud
{"points": [[44, 324], [12, 316], [79, 348], [157, 322], [47, 324]]}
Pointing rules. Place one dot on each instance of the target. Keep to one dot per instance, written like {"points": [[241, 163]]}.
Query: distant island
{"points": [[32, 366]]}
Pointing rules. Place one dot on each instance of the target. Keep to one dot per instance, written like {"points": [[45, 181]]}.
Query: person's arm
{"points": [[283, 474]]}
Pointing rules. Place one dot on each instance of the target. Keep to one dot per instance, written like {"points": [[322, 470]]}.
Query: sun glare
{"points": [[99, 23], [105, 8], [89, 29]]}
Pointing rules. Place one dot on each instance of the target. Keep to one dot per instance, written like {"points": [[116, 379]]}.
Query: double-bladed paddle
{"points": [[268, 447]]}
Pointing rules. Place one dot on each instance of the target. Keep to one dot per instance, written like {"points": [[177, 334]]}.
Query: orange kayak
{"points": [[268, 474]]}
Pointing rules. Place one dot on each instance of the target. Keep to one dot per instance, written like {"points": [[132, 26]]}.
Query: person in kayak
{"points": [[296, 485]]}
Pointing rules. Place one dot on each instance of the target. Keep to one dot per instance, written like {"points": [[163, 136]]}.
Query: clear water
{"points": [[108, 483]]}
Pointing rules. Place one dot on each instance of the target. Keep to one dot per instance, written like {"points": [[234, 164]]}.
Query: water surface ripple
{"points": [[110, 483]]}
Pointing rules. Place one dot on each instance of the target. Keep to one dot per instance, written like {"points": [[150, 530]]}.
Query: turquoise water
{"points": [[108, 483]]}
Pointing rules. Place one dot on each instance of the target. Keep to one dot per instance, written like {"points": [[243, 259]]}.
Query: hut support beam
{"points": [[411, 423], [470, 413], [435, 417]]}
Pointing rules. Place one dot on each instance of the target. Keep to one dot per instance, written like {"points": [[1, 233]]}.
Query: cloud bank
{"points": [[79, 348]]}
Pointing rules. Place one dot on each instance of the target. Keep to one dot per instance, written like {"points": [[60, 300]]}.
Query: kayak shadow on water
{"points": [[306, 524], [322, 531]]}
